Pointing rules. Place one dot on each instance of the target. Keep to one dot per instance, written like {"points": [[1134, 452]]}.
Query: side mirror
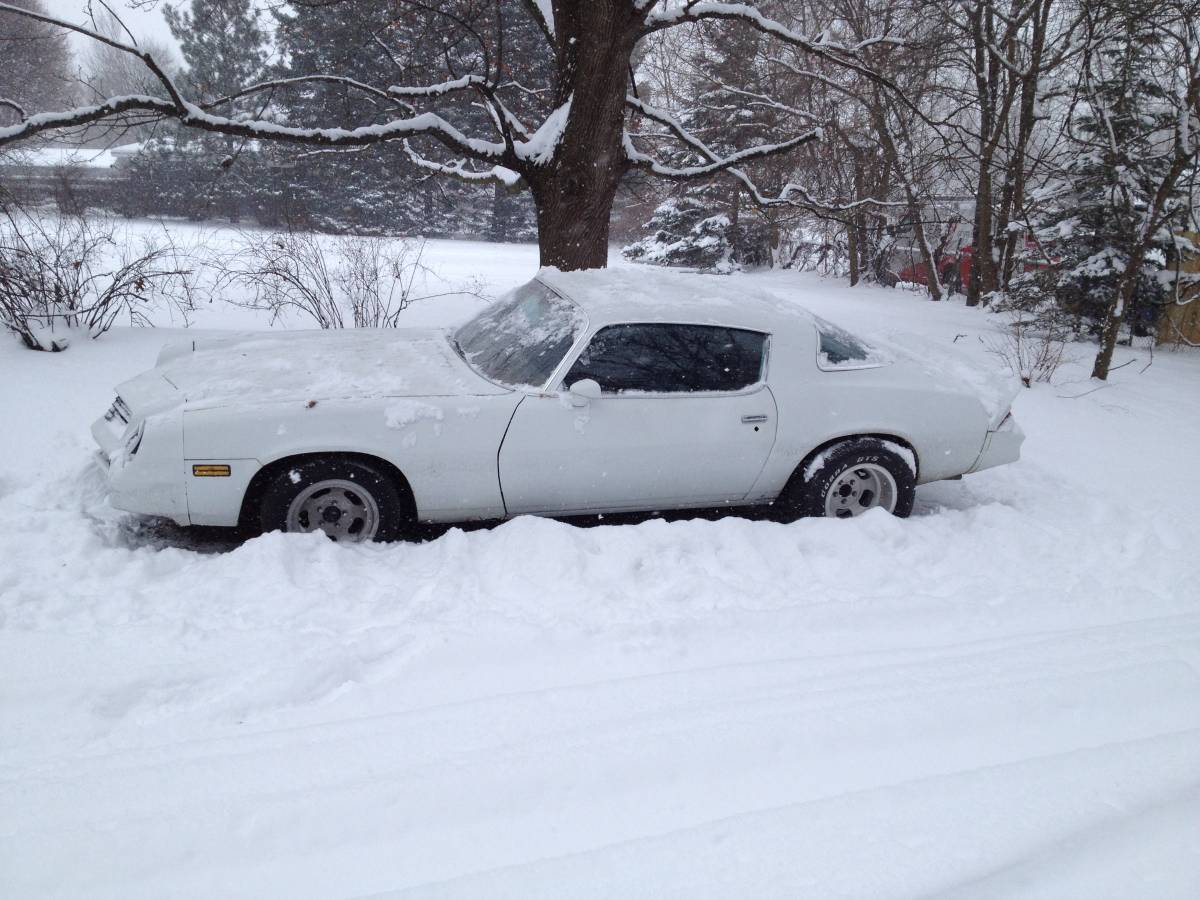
{"points": [[584, 392]]}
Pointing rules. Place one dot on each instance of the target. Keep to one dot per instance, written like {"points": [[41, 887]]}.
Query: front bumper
{"points": [[1001, 446], [148, 480]]}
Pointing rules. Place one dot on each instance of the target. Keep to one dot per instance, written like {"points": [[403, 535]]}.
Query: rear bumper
{"points": [[1001, 446]]}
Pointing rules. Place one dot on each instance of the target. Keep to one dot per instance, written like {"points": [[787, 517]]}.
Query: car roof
{"points": [[641, 293]]}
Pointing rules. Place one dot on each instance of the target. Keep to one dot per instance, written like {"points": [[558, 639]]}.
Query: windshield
{"points": [[521, 339]]}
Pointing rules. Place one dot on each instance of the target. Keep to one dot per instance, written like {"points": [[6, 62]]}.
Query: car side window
{"points": [[671, 359]]}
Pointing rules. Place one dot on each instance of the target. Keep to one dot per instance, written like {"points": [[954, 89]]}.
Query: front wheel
{"points": [[349, 500], [849, 478]]}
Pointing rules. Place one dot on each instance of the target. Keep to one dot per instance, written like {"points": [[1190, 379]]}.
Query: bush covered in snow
{"points": [[63, 275]]}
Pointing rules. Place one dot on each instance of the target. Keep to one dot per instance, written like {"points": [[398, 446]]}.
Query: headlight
{"points": [[134, 440]]}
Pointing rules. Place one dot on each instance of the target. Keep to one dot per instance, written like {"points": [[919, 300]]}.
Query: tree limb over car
{"points": [[571, 163]]}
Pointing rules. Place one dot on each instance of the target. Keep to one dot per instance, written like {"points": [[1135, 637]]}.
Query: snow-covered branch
{"points": [[791, 195], [458, 169], [35, 124], [700, 10], [14, 106], [277, 83], [436, 90], [197, 115], [542, 12], [717, 163], [822, 45]]}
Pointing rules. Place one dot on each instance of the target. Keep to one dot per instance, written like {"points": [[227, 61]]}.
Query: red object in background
{"points": [[918, 274]]}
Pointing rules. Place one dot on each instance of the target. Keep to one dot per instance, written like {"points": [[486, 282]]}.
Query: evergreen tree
{"points": [[222, 42], [368, 192], [512, 215], [710, 224], [684, 231], [384, 191], [1120, 152], [224, 48]]}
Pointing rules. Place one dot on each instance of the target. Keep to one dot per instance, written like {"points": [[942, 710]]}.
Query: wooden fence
{"points": [[1180, 322]]}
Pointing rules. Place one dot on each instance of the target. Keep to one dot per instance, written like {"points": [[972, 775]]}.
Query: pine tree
{"points": [[710, 224], [1094, 219], [224, 48], [684, 231], [352, 191], [223, 44]]}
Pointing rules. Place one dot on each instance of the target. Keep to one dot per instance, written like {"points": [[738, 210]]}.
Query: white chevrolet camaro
{"points": [[578, 393]]}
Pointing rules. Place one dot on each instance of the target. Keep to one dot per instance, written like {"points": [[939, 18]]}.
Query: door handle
{"points": [[750, 420]]}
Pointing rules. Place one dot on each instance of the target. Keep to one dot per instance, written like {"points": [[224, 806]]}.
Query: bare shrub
{"points": [[65, 275], [353, 281], [376, 278], [1034, 343]]}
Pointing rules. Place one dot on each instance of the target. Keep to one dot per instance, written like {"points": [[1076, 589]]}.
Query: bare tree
{"points": [[108, 71], [572, 162], [36, 69]]}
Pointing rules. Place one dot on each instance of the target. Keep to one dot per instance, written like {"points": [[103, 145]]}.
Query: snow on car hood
{"points": [[312, 365]]}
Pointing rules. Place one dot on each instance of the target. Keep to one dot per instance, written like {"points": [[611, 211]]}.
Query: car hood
{"points": [[306, 366]]}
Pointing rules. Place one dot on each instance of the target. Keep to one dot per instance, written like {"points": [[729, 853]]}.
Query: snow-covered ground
{"points": [[999, 697]]}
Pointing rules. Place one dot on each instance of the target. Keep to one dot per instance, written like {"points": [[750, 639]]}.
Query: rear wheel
{"points": [[849, 478], [349, 500]]}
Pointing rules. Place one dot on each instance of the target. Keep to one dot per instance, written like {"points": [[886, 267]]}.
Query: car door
{"points": [[684, 418]]}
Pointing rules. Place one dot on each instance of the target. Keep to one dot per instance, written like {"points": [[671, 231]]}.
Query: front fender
{"points": [[446, 448]]}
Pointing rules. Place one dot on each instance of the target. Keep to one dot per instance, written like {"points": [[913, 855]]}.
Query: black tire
{"points": [[394, 507], [806, 496]]}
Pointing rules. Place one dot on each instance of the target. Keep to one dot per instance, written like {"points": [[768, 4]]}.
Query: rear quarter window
{"points": [[839, 349]]}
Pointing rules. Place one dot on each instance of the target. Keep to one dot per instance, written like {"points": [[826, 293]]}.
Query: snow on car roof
{"points": [[645, 294]]}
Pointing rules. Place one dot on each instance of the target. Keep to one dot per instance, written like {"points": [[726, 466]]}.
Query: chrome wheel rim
{"points": [[859, 488], [343, 510]]}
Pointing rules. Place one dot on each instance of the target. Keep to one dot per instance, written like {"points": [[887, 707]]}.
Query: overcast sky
{"points": [[144, 22]]}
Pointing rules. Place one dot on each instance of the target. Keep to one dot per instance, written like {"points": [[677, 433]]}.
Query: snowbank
{"points": [[996, 698]]}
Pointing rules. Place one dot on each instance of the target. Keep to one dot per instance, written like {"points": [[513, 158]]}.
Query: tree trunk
{"points": [[500, 208], [892, 155], [735, 231], [983, 266], [573, 222], [1116, 315], [856, 231], [852, 250], [1013, 201], [993, 112], [574, 193]]}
